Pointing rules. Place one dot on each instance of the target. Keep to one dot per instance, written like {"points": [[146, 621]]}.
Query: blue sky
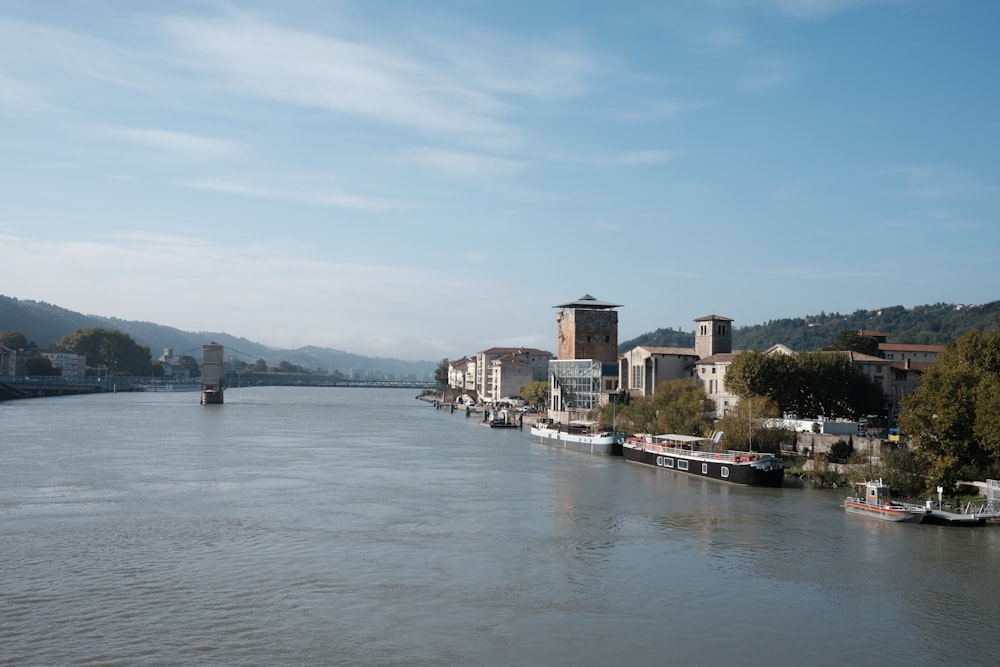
{"points": [[423, 180]]}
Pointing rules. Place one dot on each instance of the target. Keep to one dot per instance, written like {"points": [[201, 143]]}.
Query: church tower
{"points": [[713, 334]]}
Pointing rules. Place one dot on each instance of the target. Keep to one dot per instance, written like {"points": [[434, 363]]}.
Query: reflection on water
{"points": [[362, 527]]}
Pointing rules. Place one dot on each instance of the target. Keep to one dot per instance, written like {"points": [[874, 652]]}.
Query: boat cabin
{"points": [[877, 493]]}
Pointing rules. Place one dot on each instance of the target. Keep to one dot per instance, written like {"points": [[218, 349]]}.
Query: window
{"points": [[704, 468], [725, 472], [668, 462], [682, 464]]}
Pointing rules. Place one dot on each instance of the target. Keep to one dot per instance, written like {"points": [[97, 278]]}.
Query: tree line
{"points": [[107, 349], [112, 352], [932, 324]]}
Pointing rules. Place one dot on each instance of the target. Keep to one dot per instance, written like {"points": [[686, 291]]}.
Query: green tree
{"points": [[677, 406], [13, 340], [111, 349], [808, 384], [40, 365], [536, 394], [953, 416], [850, 340], [902, 470], [189, 364], [289, 367], [841, 451], [441, 374], [744, 427], [775, 375]]}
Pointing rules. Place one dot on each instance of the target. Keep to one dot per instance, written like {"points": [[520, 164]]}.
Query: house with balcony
{"points": [[485, 374]]}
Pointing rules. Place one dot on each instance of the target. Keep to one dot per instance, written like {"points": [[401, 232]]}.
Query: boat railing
{"points": [[674, 450], [988, 509]]}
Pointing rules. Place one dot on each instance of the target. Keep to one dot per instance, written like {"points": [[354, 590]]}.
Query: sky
{"points": [[425, 180]]}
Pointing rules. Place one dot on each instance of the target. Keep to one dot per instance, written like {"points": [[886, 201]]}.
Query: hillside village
{"points": [[587, 369]]}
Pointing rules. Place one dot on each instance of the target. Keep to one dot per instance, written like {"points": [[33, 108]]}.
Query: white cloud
{"points": [[722, 38], [657, 110], [337, 75], [178, 142], [17, 94], [922, 182], [767, 75], [62, 65], [462, 163], [506, 65], [317, 195], [647, 157], [820, 9]]}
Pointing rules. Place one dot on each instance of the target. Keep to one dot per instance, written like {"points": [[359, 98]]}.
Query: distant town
{"points": [[587, 332]]}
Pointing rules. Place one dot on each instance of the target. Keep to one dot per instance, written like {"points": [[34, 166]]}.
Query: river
{"points": [[350, 526]]}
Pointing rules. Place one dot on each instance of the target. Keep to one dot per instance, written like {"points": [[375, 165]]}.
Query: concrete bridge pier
{"points": [[211, 374]]}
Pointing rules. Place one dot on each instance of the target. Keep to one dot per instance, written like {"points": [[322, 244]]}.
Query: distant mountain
{"points": [[936, 324], [46, 324]]}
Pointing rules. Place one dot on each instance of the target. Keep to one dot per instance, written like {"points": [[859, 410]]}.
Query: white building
{"points": [[72, 366]]}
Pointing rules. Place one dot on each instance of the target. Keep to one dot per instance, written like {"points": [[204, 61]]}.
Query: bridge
{"points": [[38, 386]]}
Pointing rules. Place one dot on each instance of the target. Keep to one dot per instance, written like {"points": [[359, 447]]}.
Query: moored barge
{"points": [[682, 453], [580, 436]]}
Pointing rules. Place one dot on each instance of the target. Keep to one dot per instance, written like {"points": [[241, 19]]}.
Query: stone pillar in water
{"points": [[211, 374]]}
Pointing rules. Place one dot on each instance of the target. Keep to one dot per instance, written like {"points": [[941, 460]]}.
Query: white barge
{"points": [[581, 436]]}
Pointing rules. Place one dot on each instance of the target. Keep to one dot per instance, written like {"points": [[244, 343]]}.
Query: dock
{"points": [[972, 514], [943, 518]]}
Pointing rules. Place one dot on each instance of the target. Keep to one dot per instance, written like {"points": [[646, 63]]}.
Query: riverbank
{"points": [[527, 419]]}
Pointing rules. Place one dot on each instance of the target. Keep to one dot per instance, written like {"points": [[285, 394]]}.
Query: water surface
{"points": [[350, 526]]}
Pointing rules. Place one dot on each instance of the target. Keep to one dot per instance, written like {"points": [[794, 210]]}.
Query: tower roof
{"points": [[587, 301]]}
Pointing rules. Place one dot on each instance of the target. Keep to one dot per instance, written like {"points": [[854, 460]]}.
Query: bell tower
{"points": [[713, 334]]}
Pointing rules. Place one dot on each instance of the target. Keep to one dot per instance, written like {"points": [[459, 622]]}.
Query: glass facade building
{"points": [[577, 385]]}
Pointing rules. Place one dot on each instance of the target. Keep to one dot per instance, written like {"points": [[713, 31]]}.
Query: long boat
{"points": [[695, 456], [877, 503], [581, 436]]}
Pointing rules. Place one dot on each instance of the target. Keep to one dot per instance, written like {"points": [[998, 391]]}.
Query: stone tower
{"points": [[713, 334], [588, 329], [211, 374]]}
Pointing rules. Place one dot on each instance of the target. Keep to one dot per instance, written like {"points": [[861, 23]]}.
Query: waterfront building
{"points": [[72, 366], [509, 374], [918, 357], [644, 367], [537, 361], [458, 373], [586, 372]]}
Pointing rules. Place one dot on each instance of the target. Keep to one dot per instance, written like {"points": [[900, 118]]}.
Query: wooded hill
{"points": [[45, 324], [936, 324]]}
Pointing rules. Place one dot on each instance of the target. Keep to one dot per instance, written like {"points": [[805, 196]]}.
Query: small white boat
{"points": [[877, 503]]}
